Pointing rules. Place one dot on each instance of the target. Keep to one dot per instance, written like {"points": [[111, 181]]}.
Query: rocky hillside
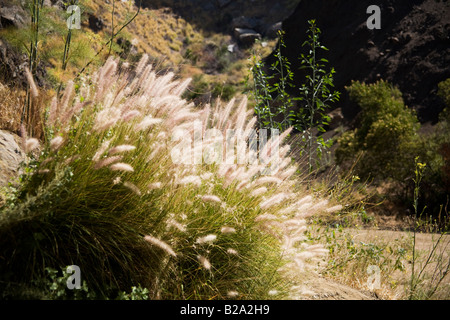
{"points": [[411, 50]]}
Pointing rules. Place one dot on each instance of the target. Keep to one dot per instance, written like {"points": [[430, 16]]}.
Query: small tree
{"points": [[315, 95], [275, 104]]}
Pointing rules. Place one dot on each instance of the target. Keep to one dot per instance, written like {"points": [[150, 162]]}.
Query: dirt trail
{"points": [[316, 287]]}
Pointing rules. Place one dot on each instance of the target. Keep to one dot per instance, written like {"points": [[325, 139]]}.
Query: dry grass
{"points": [[12, 101], [11, 104]]}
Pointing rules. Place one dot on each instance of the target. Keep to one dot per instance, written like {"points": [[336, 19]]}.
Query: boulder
{"points": [[246, 37], [12, 16], [11, 155]]}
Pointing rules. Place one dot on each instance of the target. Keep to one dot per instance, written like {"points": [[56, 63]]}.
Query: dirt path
{"points": [[316, 287]]}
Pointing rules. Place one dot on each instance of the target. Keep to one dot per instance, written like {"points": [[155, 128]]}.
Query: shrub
{"points": [[105, 194], [386, 135], [444, 91]]}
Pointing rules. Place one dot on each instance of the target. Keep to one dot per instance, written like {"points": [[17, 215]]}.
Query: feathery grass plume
{"points": [[182, 87], [334, 208], [31, 144], [183, 116], [206, 175], [303, 200], [147, 122], [211, 198], [105, 78], [240, 114], [242, 185], [106, 119], [127, 116], [204, 262], [304, 210], [232, 251], [71, 159], [141, 65], [33, 88], [56, 143], [259, 191], [154, 185], [246, 260], [321, 205], [227, 230], [276, 199], [286, 174], [273, 292], [46, 161], [101, 150], [266, 217], [207, 239], [121, 167], [121, 148], [53, 111], [132, 187], [173, 223], [195, 180], [267, 179], [161, 244], [224, 114], [66, 97], [162, 86], [73, 111]]}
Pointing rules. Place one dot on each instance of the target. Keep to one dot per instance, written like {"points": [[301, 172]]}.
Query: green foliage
{"points": [[315, 94], [273, 102], [54, 287], [201, 88], [224, 91], [444, 91], [386, 136], [137, 293], [57, 287]]}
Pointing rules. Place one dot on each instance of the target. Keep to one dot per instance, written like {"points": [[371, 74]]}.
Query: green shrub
{"points": [[223, 91], [386, 136], [444, 91]]}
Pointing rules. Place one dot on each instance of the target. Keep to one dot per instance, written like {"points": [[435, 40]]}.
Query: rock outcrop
{"points": [[11, 155]]}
